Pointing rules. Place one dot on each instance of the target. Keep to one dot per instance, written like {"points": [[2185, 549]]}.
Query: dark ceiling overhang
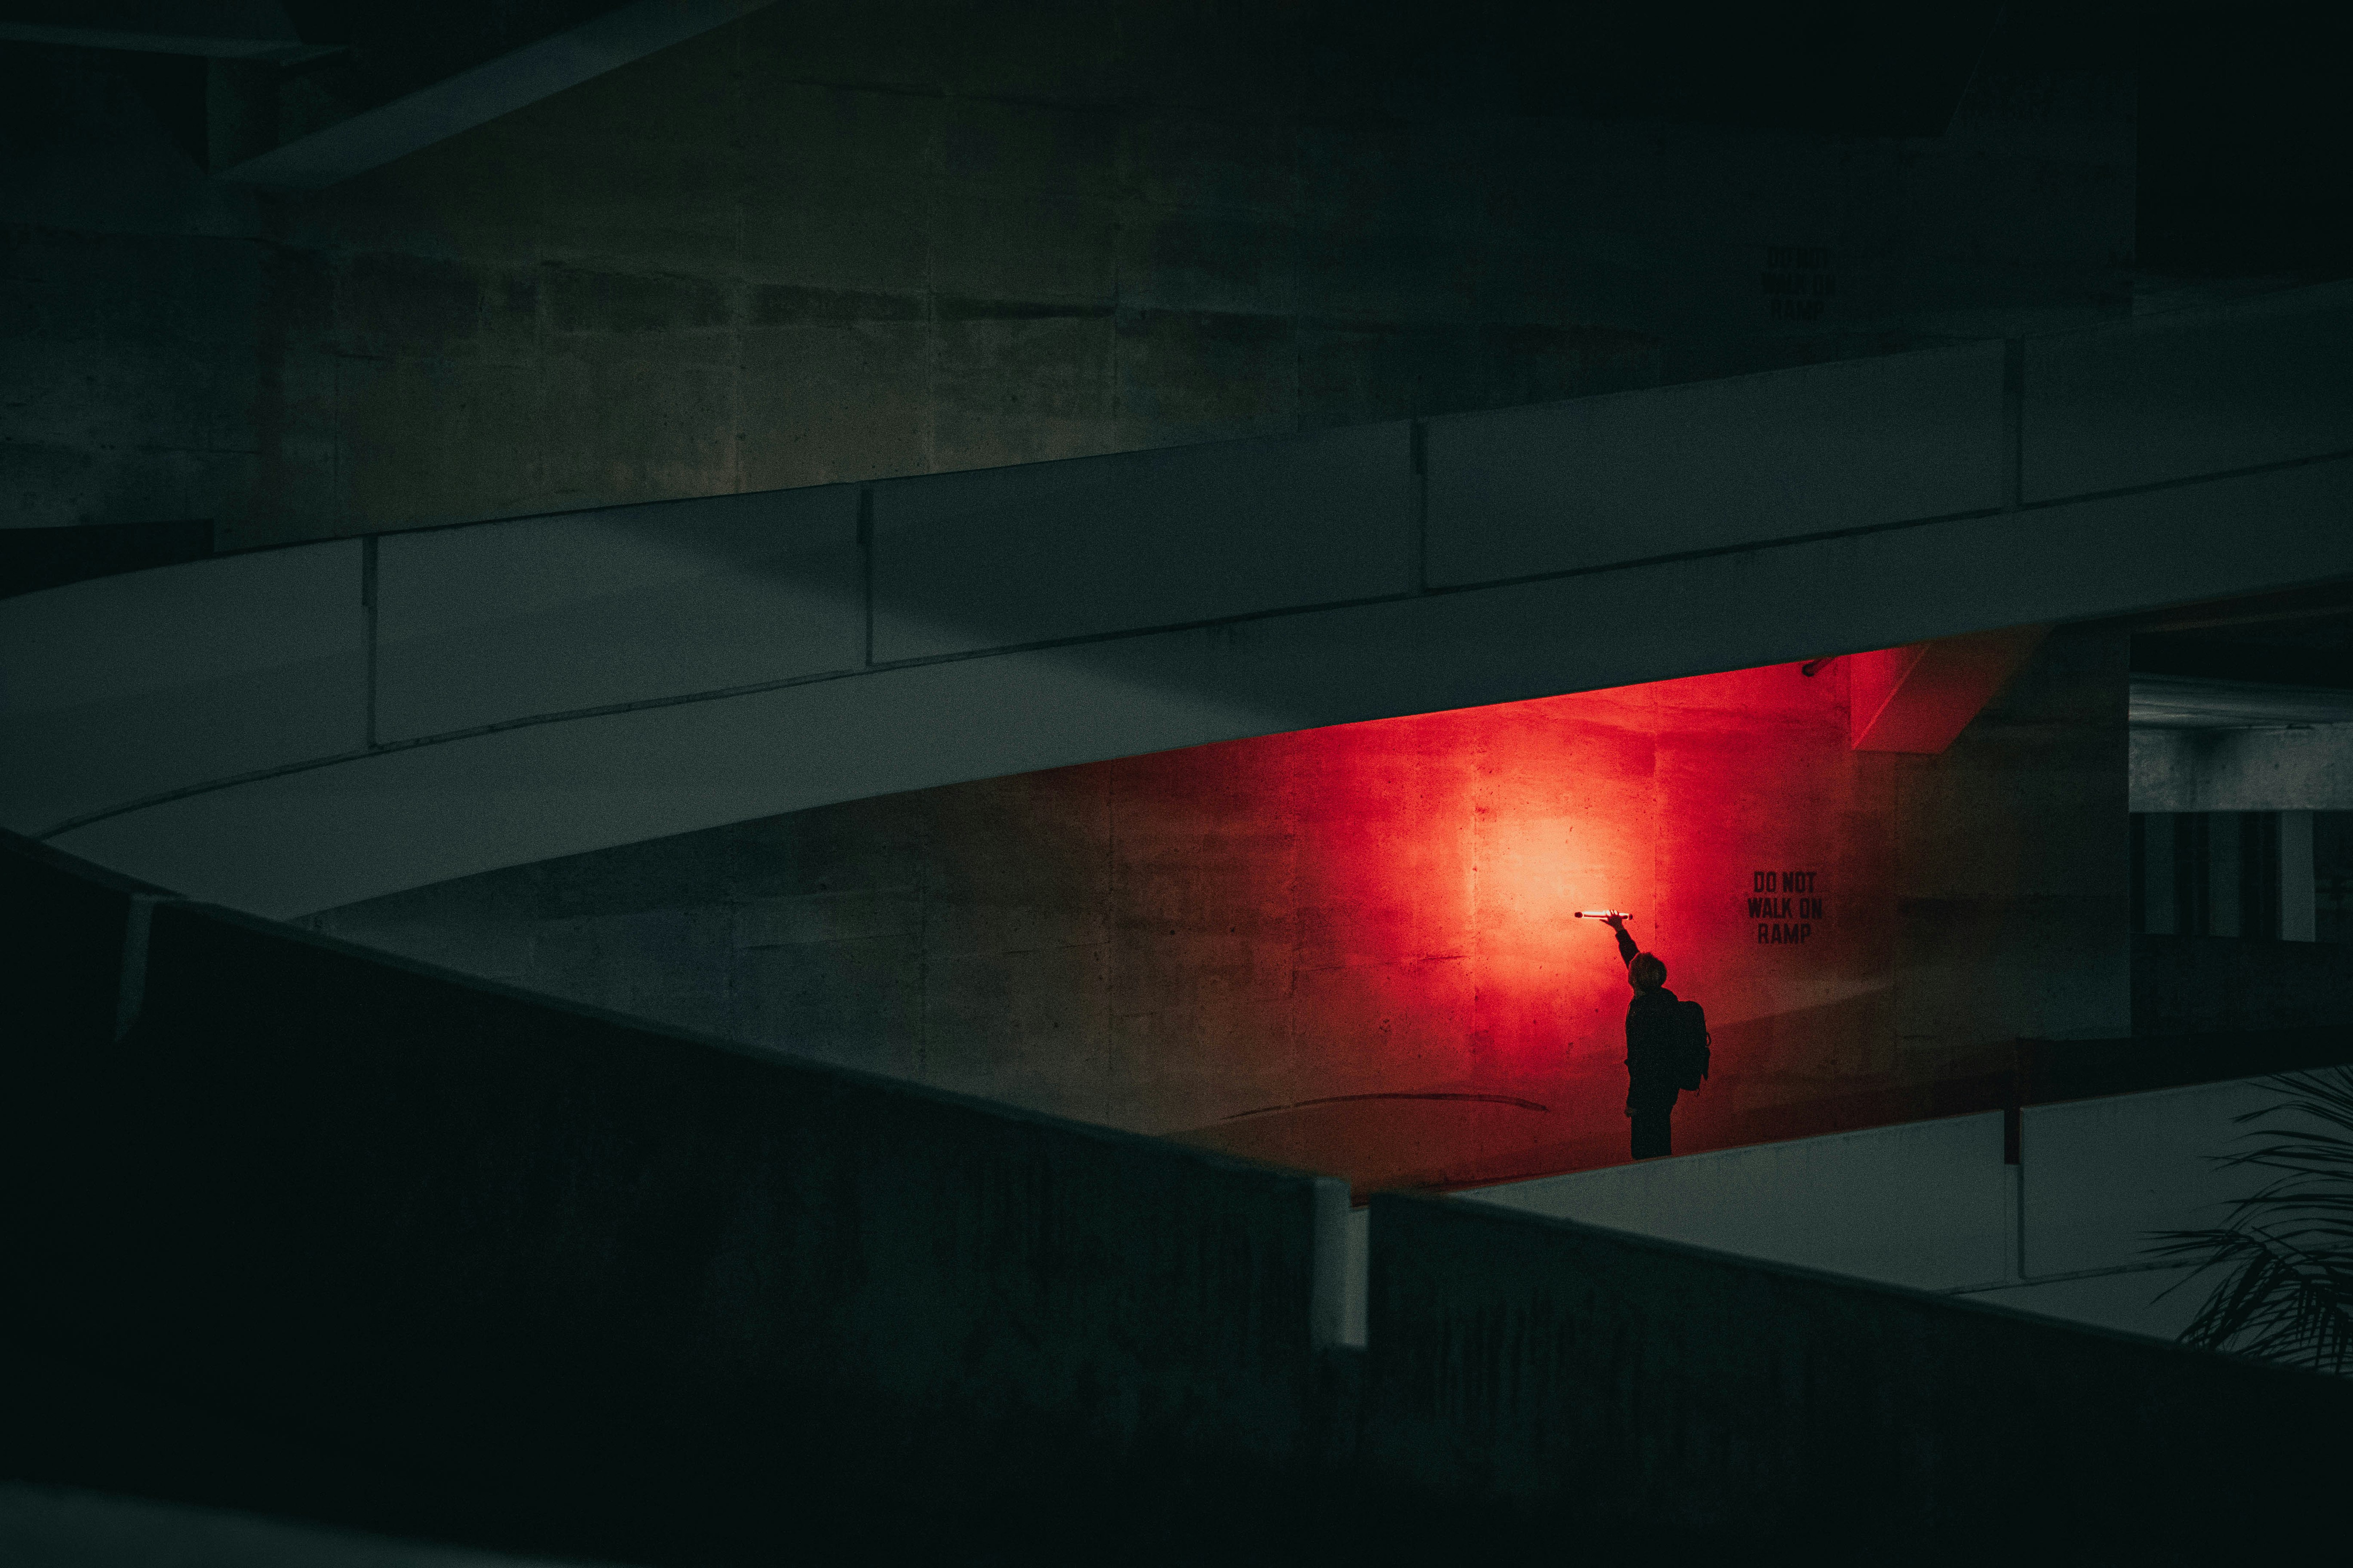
{"points": [[306, 93], [1836, 66], [2188, 702], [213, 29]]}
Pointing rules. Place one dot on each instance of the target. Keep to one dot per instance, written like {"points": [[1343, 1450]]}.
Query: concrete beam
{"points": [[364, 823], [218, 29], [1919, 698], [2192, 702], [2308, 768], [475, 97]]}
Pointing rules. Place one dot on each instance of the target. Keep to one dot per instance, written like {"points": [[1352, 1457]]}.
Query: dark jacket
{"points": [[1651, 1028], [1651, 1050]]}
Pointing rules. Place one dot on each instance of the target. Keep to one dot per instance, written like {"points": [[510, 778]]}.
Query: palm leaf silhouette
{"points": [[2285, 1253]]}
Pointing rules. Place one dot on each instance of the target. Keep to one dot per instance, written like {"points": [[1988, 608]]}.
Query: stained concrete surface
{"points": [[2266, 767], [802, 249]]}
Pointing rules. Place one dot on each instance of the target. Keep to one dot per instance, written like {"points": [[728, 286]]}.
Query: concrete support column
{"points": [[2299, 902], [2226, 844], [2153, 846]]}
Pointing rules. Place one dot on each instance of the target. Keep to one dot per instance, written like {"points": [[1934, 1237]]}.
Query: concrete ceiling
{"points": [[309, 93], [2243, 128], [2269, 663], [2188, 702]]}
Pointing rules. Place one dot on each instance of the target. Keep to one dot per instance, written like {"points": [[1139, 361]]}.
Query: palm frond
{"points": [[2284, 1251], [2277, 1301]]}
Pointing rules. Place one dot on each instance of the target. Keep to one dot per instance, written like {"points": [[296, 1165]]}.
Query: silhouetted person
{"points": [[1653, 1043]]}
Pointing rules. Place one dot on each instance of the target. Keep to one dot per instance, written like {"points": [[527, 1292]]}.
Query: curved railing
{"points": [[300, 728]]}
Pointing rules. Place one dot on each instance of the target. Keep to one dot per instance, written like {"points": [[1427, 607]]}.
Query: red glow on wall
{"points": [[1920, 697], [1400, 992]]}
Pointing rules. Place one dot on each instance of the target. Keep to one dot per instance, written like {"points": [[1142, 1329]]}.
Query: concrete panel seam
{"points": [[2018, 1213], [1866, 530], [866, 567], [368, 607], [1976, 1286], [2062, 1276]]}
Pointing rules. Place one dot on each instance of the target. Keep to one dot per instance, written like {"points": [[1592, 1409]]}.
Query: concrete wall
{"points": [[537, 1260], [895, 238], [2306, 768], [328, 1235], [2063, 1232], [1540, 1360], [1132, 607], [1351, 949], [2012, 863]]}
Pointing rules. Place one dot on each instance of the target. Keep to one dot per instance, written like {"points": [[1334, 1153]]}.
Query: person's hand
{"points": [[1616, 922], [1629, 1108]]}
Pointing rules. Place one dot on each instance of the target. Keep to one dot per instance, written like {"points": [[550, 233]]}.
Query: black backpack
{"points": [[1691, 1044]]}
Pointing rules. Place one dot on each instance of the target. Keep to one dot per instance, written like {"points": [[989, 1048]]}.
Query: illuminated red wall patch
{"points": [[1355, 950]]}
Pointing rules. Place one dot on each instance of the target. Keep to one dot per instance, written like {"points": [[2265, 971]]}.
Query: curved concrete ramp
{"points": [[303, 728]]}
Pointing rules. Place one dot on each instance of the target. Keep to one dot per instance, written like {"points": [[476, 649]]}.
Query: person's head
{"points": [[1646, 971]]}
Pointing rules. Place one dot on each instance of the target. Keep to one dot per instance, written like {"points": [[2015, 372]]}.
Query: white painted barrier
{"points": [[2065, 1233], [155, 681], [1928, 1204], [2101, 1173], [498, 622]]}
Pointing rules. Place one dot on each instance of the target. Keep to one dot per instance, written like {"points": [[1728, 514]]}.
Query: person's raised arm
{"points": [[1626, 948]]}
